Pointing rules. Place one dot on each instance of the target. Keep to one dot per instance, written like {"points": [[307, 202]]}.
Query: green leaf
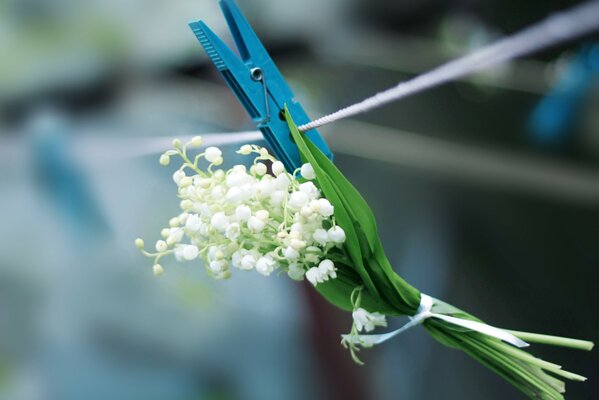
{"points": [[341, 214], [349, 203]]}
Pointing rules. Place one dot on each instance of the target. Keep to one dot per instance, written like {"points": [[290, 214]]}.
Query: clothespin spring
{"points": [[258, 76]]}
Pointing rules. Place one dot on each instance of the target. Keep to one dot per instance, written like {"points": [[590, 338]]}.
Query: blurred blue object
{"points": [[59, 176], [553, 119], [258, 84]]}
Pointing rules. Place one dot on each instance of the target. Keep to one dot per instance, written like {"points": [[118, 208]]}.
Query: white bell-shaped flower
{"points": [[325, 208], [307, 171], [233, 231], [337, 234], [178, 175], [219, 221], [314, 276], [367, 321], [190, 252], [320, 236], [277, 197], [277, 168], [282, 182], [193, 223], [255, 224], [266, 265], [290, 253], [310, 189], [248, 261], [218, 266], [212, 154], [327, 269], [296, 272], [243, 212], [298, 199]]}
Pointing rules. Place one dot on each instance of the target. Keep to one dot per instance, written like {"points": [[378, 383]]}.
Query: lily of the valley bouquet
{"points": [[313, 224]]}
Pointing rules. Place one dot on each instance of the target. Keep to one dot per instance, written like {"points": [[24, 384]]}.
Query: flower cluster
{"points": [[249, 218]]}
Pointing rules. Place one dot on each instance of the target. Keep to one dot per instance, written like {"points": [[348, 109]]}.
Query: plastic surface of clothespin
{"points": [[554, 117], [257, 83]]}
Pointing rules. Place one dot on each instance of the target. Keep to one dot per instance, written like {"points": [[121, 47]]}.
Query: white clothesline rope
{"points": [[558, 28]]}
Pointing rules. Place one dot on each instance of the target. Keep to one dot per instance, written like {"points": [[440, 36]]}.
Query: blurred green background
{"points": [[477, 203]]}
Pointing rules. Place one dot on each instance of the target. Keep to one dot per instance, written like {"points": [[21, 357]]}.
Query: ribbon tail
{"points": [[484, 329]]}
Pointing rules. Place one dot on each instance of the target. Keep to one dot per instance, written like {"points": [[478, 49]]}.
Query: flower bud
{"points": [[196, 141], [157, 269], [178, 175], [183, 217], [186, 204], [185, 181], [306, 211], [325, 208], [165, 232], [218, 161], [245, 149], [217, 266], [203, 182], [190, 252], [260, 169], [337, 234], [296, 272], [233, 231], [193, 223], [175, 236], [309, 189], [278, 168], [164, 160], [307, 172], [290, 253], [262, 214], [139, 243], [219, 174], [248, 262], [243, 212], [212, 154], [174, 222], [320, 236], [297, 244], [263, 152], [161, 246], [298, 199], [282, 182], [234, 195], [217, 192], [255, 224], [277, 197], [314, 205], [265, 265], [176, 143], [219, 222]]}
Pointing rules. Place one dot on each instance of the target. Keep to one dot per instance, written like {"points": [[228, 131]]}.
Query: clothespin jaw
{"points": [[258, 84]]}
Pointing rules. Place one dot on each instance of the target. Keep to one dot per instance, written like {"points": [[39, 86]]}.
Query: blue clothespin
{"points": [[258, 84], [554, 118]]}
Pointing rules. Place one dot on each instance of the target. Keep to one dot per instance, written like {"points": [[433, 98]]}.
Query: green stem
{"points": [[554, 340]]}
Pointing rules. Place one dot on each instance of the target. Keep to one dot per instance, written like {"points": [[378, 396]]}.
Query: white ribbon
{"points": [[424, 312]]}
